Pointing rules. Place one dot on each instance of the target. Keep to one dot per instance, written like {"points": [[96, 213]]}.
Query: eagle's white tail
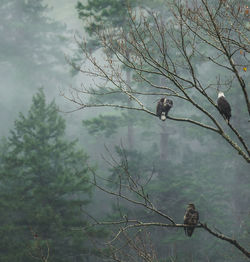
{"points": [[163, 116]]}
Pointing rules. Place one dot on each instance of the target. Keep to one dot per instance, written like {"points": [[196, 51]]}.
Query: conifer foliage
{"points": [[43, 189]]}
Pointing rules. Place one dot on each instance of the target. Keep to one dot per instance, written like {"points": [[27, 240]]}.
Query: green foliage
{"points": [[108, 125], [99, 15], [104, 13], [102, 123], [43, 189]]}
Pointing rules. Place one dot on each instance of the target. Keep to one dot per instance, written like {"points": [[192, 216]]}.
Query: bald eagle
{"points": [[224, 106], [163, 107], [191, 217]]}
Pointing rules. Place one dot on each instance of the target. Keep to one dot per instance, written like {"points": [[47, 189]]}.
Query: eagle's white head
{"points": [[165, 102], [221, 94]]}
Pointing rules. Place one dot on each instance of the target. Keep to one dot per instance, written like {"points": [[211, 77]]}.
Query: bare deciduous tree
{"points": [[169, 49], [133, 190]]}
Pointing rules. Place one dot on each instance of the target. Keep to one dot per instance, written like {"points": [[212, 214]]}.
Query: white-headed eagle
{"points": [[163, 107], [224, 106], [191, 217]]}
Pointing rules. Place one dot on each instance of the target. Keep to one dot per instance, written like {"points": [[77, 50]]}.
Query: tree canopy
{"points": [[44, 189]]}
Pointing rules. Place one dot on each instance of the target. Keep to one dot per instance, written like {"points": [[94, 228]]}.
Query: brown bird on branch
{"points": [[191, 217]]}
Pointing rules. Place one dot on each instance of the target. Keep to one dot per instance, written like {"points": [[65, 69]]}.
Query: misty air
{"points": [[125, 131]]}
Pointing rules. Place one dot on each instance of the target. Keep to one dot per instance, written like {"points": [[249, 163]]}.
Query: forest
{"points": [[125, 130]]}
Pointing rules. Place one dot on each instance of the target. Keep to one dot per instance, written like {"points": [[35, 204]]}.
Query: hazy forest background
{"points": [[87, 171]]}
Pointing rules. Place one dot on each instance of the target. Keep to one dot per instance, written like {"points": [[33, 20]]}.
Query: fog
{"points": [[50, 210]]}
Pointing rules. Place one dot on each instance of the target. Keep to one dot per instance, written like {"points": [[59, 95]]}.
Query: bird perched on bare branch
{"points": [[224, 106], [191, 217], [163, 107]]}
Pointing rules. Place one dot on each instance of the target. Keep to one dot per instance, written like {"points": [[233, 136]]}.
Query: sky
{"points": [[13, 93]]}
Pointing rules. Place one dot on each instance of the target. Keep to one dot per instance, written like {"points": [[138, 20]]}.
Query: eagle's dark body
{"points": [[191, 217], [163, 107], [224, 106]]}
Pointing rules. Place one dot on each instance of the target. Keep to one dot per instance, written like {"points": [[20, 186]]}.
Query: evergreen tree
{"points": [[32, 50], [97, 16], [44, 189], [31, 41]]}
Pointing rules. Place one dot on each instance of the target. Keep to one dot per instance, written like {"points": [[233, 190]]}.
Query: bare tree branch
{"points": [[134, 192], [152, 44]]}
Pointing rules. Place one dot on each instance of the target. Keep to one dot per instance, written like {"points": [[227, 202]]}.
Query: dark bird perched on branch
{"points": [[224, 106], [163, 107], [191, 217]]}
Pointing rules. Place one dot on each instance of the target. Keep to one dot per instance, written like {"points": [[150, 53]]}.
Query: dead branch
{"points": [[168, 49], [134, 192]]}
